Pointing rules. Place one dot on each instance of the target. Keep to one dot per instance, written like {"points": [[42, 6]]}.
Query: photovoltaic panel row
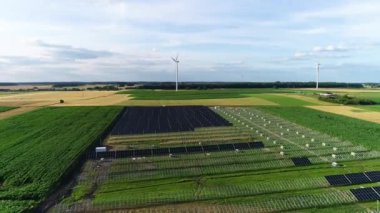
{"points": [[366, 194], [179, 150], [142, 120], [353, 178], [301, 161], [374, 176], [337, 180], [358, 178]]}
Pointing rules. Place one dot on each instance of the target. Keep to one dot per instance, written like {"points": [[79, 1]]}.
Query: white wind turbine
{"points": [[177, 62], [318, 65]]}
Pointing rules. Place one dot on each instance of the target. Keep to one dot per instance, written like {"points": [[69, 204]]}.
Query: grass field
{"points": [[196, 94], [37, 148], [4, 109], [345, 128]]}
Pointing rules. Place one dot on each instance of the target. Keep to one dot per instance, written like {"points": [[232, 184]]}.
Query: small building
{"points": [[327, 95]]}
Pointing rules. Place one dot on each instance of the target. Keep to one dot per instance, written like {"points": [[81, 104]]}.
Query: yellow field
{"points": [[251, 101], [17, 111], [71, 98], [27, 87], [351, 112], [340, 90]]}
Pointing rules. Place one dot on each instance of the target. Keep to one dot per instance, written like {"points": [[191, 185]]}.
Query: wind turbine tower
{"points": [[177, 62], [317, 86]]}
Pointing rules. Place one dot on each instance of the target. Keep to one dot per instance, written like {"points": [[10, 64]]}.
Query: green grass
{"points": [[354, 130], [37, 148], [370, 108], [196, 94], [230, 188], [283, 100], [375, 96], [4, 109]]}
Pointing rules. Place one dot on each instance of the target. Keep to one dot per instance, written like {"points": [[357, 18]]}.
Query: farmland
{"points": [[169, 158], [195, 94], [345, 128], [4, 109], [243, 180], [39, 147]]}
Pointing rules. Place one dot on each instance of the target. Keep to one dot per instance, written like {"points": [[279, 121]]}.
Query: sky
{"points": [[240, 40]]}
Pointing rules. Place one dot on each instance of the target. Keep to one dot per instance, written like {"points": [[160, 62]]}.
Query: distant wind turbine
{"points": [[317, 86], [177, 62]]}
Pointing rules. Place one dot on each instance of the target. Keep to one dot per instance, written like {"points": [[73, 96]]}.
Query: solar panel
{"points": [[226, 147], [142, 120], [160, 151], [358, 178], [337, 180], [211, 148], [194, 149], [241, 146], [377, 189], [124, 153], [256, 145], [301, 161], [374, 176], [177, 150], [142, 152], [365, 194]]}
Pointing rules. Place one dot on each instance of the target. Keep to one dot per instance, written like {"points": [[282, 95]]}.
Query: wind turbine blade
{"points": [[176, 58]]}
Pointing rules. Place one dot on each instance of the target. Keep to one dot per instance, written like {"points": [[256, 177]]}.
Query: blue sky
{"points": [[240, 40]]}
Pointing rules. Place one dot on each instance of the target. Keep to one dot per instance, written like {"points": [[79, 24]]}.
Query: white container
{"points": [[100, 149]]}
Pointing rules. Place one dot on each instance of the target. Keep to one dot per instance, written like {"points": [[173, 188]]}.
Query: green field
{"points": [[4, 109], [247, 181], [140, 94], [354, 130], [37, 148]]}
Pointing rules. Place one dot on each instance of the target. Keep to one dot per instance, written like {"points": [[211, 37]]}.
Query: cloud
{"points": [[329, 51], [67, 52], [330, 48]]}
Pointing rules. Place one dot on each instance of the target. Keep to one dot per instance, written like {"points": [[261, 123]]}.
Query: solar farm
{"points": [[222, 159]]}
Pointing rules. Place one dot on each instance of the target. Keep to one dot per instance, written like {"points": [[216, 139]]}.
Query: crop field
{"points": [[287, 174], [345, 128], [38, 148], [259, 150], [4, 109], [196, 94], [71, 98]]}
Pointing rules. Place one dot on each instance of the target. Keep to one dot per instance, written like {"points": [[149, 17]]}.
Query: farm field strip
{"points": [[349, 111], [176, 135], [119, 194], [342, 128], [4, 108], [38, 147]]}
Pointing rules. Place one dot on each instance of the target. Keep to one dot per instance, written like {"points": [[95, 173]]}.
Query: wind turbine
{"points": [[318, 65], [177, 62]]}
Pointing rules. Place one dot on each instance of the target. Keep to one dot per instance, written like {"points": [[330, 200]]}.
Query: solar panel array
{"points": [[367, 194], [301, 161], [353, 178], [179, 150], [141, 120]]}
